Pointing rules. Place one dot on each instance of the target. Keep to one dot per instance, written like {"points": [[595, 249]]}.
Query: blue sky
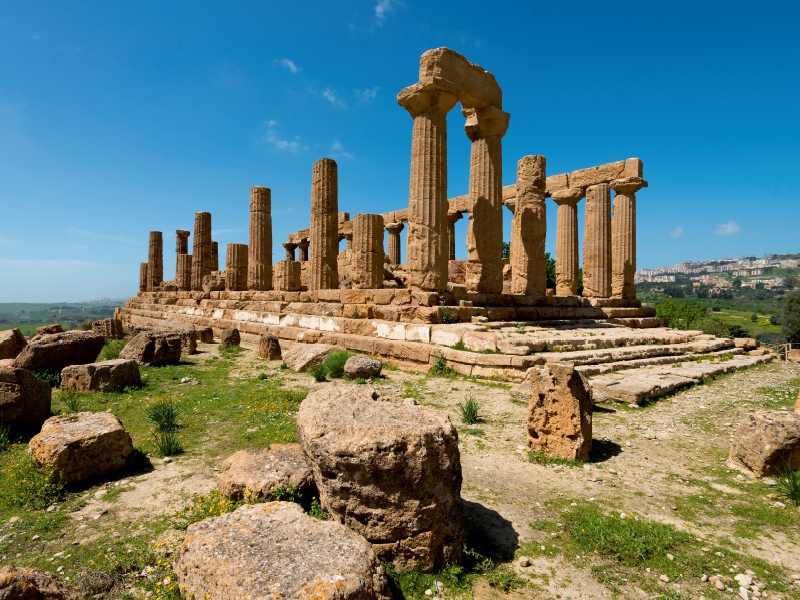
{"points": [[121, 118]]}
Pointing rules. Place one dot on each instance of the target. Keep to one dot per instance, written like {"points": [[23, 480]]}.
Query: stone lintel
{"points": [[485, 122], [472, 81], [568, 195]]}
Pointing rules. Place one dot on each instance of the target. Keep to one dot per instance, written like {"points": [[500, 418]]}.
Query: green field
{"points": [[28, 316]]}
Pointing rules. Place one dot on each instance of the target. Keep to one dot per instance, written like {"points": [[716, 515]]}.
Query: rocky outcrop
{"points": [[154, 348], [17, 583], [389, 470], [23, 398], [302, 357], [362, 367], [259, 475], [230, 337], [268, 347], [560, 412], [766, 442], [58, 350], [106, 376], [82, 445], [275, 550], [12, 342]]}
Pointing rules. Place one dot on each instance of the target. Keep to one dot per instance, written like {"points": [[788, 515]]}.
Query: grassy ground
{"points": [[28, 316]]}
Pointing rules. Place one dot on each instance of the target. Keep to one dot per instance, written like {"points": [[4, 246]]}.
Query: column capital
{"points": [[430, 96], [182, 233], [628, 185], [453, 217], [289, 245], [568, 196], [485, 122], [394, 227], [303, 243]]}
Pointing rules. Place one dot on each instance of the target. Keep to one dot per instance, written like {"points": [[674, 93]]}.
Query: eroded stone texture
{"points": [[324, 230], [362, 367], [302, 357], [58, 350], [214, 256], [109, 328], [766, 442], [181, 247], [230, 337], [367, 252], [567, 240], [394, 230], [155, 260], [290, 248], [269, 347], [597, 242], [451, 235], [187, 332], [275, 550], [23, 397], [529, 229], [105, 376], [48, 329], [12, 343], [17, 583], [183, 272], [389, 470], [560, 412], [259, 263], [201, 253], [286, 276], [623, 237], [143, 278], [249, 474], [154, 348], [302, 246], [236, 268]]}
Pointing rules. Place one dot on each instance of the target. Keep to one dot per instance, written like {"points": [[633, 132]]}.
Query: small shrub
{"points": [[355, 315], [754, 318], [51, 378], [774, 320], [111, 349], [790, 317], [316, 510], [440, 366], [163, 414], [359, 380], [789, 485], [469, 411], [214, 504], [448, 315], [319, 373], [263, 376], [72, 400], [505, 579], [85, 325], [167, 444], [459, 345], [334, 364], [5, 437], [28, 485], [520, 329]]}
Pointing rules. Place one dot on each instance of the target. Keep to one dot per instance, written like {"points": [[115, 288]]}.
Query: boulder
{"points": [[80, 446], [302, 357], [106, 376], [214, 282], [258, 475], [269, 347], [48, 329], [23, 398], [54, 351], [109, 328], [275, 550], [766, 442], [187, 332], [12, 343], [205, 334], [18, 583], [521, 391], [746, 344], [230, 337], [560, 412], [362, 367], [389, 470], [154, 348]]}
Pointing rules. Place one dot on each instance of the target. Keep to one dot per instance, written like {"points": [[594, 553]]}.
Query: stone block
{"points": [[248, 474], [230, 337], [766, 442], [24, 398], [106, 376], [11, 343], [18, 583], [557, 182], [268, 347], [58, 350], [302, 357], [596, 175]]}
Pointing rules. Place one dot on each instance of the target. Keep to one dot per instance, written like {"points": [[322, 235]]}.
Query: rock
{"points": [[388, 470], [457, 271], [48, 329], [18, 583], [229, 337], [522, 391], [23, 398], [362, 367], [12, 342], [478, 340], [105, 376], [204, 334], [275, 550], [154, 348], [188, 333], [257, 475], [268, 347], [746, 344], [214, 282], [302, 357], [524, 561], [664, 578], [58, 350], [560, 412], [109, 328], [765, 441], [744, 580], [797, 404], [81, 445]]}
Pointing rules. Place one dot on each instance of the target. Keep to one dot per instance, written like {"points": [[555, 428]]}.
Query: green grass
{"points": [[163, 415], [230, 352], [789, 485], [71, 400], [111, 349], [25, 484], [469, 411], [5, 437], [540, 457], [334, 364], [440, 368], [167, 444]]}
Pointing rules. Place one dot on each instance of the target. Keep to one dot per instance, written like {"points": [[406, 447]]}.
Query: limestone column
{"points": [[394, 230], [155, 260], [623, 236], [427, 249], [201, 253], [529, 229], [183, 272], [214, 256], [367, 259], [259, 259], [349, 243], [287, 276], [485, 127], [597, 242], [289, 250], [236, 267], [451, 233], [302, 245], [144, 281], [567, 240], [181, 246], [324, 231]]}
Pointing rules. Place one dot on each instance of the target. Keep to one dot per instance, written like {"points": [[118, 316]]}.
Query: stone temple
{"points": [[361, 297]]}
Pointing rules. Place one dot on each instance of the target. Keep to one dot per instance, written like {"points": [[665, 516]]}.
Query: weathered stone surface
{"points": [[389, 470], [269, 347], [367, 252], [143, 277], [259, 260], [560, 412], [48, 329], [597, 242], [155, 260], [766, 442], [205, 335], [58, 350], [394, 229], [214, 256], [187, 332], [19, 583], [275, 550], [230, 337], [746, 344], [597, 175], [302, 357], [236, 267], [201, 252], [362, 367], [797, 404], [183, 272], [109, 328], [324, 230], [81, 445], [249, 474], [457, 272], [214, 282], [11, 343], [23, 397], [154, 348], [529, 229], [623, 237], [286, 275], [105, 376], [567, 240], [479, 340]]}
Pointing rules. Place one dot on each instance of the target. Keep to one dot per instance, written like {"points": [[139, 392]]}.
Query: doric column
{"points": [[290, 246], [302, 245], [183, 272], [349, 243], [201, 253], [324, 231], [427, 249], [236, 267], [529, 229], [567, 240], [451, 233], [214, 256], [367, 260], [486, 128], [181, 246], [144, 281], [259, 259], [623, 236], [597, 242], [394, 230], [155, 260], [286, 275]]}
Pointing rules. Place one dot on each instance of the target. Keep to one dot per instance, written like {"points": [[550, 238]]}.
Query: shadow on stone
{"points": [[488, 533], [603, 409], [602, 450]]}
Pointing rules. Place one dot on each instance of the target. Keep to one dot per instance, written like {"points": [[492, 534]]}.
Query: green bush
{"points": [[167, 444], [163, 414], [448, 315], [469, 411], [319, 373], [790, 317], [771, 338], [789, 485], [682, 314], [440, 366], [111, 349], [85, 325], [334, 364], [316, 510]]}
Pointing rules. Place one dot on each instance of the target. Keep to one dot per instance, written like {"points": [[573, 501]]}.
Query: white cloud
{"points": [[337, 150], [367, 95], [331, 96], [289, 64], [729, 228], [284, 145], [270, 123], [676, 233], [381, 8], [36, 37]]}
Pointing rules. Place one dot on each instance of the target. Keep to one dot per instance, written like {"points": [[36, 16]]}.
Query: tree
{"points": [[506, 249], [790, 282], [790, 318], [737, 283], [551, 271], [682, 314], [754, 318]]}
